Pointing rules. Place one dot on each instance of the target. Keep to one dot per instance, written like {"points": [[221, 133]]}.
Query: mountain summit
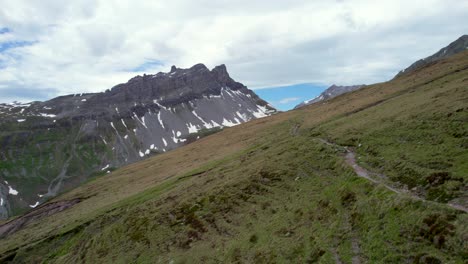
{"points": [[48, 147]]}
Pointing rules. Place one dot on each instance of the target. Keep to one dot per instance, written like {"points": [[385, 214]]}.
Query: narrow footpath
{"points": [[350, 159]]}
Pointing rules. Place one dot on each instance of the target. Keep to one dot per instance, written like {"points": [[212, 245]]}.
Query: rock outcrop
{"points": [[48, 147]]}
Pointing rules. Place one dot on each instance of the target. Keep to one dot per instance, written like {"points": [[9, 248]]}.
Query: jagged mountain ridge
{"points": [[47, 147], [457, 46], [329, 93]]}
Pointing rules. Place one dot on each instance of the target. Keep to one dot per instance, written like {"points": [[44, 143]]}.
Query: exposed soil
{"points": [[38, 213]]}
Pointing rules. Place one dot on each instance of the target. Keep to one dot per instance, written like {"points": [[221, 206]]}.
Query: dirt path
{"points": [[350, 159], [336, 257]]}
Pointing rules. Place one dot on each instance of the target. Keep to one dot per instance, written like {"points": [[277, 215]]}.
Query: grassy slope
{"points": [[269, 191]]}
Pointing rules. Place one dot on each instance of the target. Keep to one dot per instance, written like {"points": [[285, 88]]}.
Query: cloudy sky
{"points": [[49, 48]]}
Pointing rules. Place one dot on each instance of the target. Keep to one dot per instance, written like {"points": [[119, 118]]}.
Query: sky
{"points": [[48, 48], [287, 97]]}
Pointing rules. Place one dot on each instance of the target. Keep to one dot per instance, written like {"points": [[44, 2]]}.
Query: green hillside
{"points": [[279, 189]]}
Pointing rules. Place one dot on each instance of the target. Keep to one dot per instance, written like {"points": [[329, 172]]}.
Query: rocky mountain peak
{"points": [[87, 134]]}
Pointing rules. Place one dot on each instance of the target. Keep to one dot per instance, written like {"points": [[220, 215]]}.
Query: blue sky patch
{"points": [[286, 97], [14, 44], [4, 30], [147, 65]]}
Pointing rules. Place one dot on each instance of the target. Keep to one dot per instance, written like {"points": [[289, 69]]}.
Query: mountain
{"points": [[378, 175], [459, 45], [48, 147], [329, 93]]}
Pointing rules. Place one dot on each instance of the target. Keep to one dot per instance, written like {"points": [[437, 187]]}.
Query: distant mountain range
{"points": [[48, 147], [329, 93]]}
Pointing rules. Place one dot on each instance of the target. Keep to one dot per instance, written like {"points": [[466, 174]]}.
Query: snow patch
{"points": [[205, 124], [143, 121], [160, 105], [141, 154], [34, 205], [12, 191], [160, 120], [47, 115], [242, 116], [105, 168], [165, 142], [261, 112], [191, 128], [228, 123], [123, 122], [21, 120], [197, 116], [214, 124], [112, 125]]}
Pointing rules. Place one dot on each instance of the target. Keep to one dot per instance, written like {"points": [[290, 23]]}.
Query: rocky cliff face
{"points": [[329, 93], [48, 147], [459, 45]]}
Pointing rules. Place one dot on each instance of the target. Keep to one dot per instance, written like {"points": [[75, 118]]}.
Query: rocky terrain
{"points": [[48, 147], [329, 93]]}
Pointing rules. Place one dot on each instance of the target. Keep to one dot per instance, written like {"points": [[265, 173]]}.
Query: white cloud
{"points": [[288, 100], [88, 46]]}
